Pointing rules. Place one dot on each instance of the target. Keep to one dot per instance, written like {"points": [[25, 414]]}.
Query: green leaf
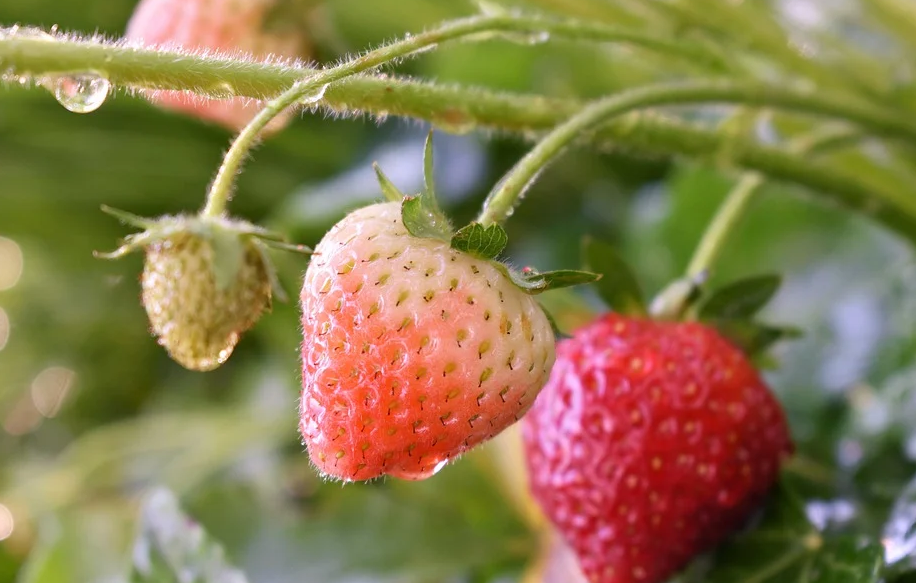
{"points": [[533, 282], [787, 547], [484, 242], [172, 547], [740, 299], [452, 527], [618, 286], [754, 338], [390, 191], [79, 545], [422, 220]]}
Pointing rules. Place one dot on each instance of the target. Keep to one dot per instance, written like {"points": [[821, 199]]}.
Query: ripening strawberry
{"points": [[650, 443], [413, 352], [232, 27], [197, 319]]}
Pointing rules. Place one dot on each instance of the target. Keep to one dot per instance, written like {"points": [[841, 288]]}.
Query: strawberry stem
{"points": [[312, 88], [507, 193], [738, 199], [881, 197]]}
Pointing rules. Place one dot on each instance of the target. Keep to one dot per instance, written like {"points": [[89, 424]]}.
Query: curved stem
{"points": [[726, 218], [220, 75], [736, 202], [883, 198], [316, 84], [501, 202], [223, 77]]}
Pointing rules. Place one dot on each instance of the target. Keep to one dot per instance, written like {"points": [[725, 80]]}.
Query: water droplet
{"points": [[223, 90], [526, 38], [427, 471], [81, 93], [315, 96]]}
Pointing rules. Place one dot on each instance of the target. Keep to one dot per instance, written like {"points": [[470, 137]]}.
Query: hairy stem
{"points": [[463, 109], [737, 201], [315, 84], [502, 200], [223, 77]]}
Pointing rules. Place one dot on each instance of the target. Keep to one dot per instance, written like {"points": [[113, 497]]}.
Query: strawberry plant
{"points": [[470, 385]]}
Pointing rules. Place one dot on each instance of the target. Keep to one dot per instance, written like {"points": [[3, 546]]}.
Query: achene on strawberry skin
{"points": [[413, 352], [651, 442]]}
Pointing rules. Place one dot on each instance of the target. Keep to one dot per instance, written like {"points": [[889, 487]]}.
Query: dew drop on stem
{"points": [[80, 93]]}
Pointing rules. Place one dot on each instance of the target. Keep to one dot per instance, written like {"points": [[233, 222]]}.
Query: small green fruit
{"points": [[206, 280]]}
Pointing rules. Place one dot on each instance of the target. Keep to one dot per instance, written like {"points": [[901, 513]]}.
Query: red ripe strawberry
{"points": [[222, 26], [413, 351], [650, 443]]}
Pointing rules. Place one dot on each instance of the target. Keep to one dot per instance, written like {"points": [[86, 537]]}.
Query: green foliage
{"points": [[73, 457], [618, 286], [170, 546], [786, 547], [740, 299]]}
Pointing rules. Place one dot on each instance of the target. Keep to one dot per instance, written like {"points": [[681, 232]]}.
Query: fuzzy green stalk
{"points": [[739, 198], [315, 84]]}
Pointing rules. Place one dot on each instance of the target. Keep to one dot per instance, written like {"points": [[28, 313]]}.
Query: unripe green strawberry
{"points": [[198, 321], [206, 280], [413, 352]]}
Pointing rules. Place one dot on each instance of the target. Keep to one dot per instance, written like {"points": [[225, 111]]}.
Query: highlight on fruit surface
{"points": [[417, 344], [654, 440], [205, 281], [241, 28]]}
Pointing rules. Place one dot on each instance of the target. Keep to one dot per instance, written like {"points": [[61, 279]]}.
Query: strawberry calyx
{"points": [[228, 237], [731, 308], [424, 218]]}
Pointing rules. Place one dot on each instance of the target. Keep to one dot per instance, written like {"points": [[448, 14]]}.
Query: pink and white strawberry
{"points": [[413, 351]]}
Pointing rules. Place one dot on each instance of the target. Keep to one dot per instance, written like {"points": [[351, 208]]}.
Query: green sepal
{"points": [[422, 215], [128, 218], [533, 282], [618, 287], [276, 288], [740, 299], [480, 241], [391, 192], [429, 180], [228, 256], [424, 220], [284, 246], [754, 338]]}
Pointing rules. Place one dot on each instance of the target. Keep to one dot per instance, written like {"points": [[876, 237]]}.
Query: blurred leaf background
{"points": [[94, 416]]}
